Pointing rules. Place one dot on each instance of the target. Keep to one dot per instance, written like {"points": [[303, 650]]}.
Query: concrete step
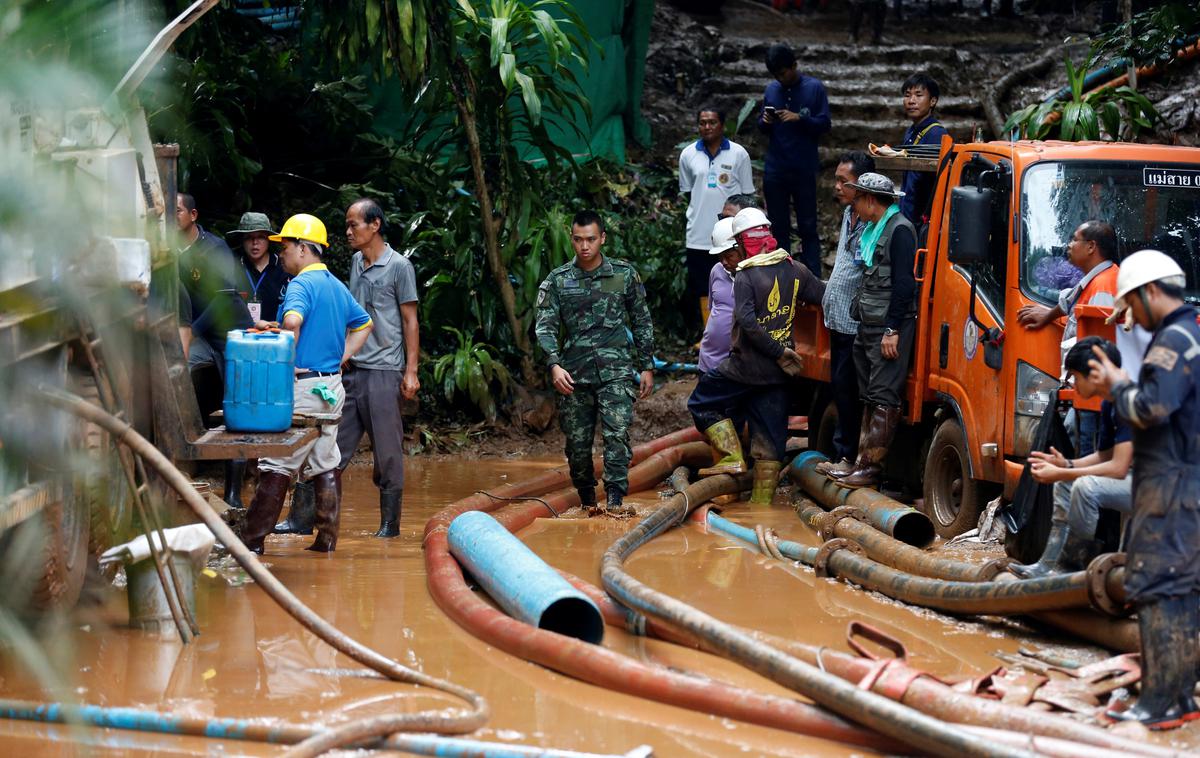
{"points": [[881, 78], [754, 52]]}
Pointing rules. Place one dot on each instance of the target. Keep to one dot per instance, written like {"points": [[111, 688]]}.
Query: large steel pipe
{"points": [[596, 664], [889, 516], [875, 711], [521, 582], [891, 551], [997, 597]]}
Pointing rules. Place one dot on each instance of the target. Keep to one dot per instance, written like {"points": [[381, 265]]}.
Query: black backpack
{"points": [[1027, 518]]}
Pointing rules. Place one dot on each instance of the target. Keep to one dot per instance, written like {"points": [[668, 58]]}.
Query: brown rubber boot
{"points": [[727, 449], [329, 511], [846, 466], [869, 469], [265, 507], [824, 467], [766, 478]]}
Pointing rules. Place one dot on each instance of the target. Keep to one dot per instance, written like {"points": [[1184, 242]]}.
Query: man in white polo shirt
{"points": [[710, 170]]}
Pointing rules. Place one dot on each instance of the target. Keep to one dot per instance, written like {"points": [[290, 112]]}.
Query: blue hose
{"points": [[521, 582], [1107, 73], [794, 550], [247, 729]]}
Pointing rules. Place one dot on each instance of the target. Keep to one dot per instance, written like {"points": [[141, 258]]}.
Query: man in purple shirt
{"points": [[718, 330]]}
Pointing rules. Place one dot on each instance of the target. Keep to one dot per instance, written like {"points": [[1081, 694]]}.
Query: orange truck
{"points": [[999, 222]]}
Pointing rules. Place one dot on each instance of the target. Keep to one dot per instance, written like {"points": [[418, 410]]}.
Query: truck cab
{"points": [[1000, 219]]}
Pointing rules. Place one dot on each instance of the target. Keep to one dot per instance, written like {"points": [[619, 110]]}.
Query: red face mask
{"points": [[758, 240]]}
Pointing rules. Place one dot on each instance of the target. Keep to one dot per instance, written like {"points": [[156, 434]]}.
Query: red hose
{"points": [[598, 665]]}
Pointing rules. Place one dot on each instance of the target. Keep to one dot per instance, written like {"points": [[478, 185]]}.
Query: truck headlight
{"points": [[1034, 388]]}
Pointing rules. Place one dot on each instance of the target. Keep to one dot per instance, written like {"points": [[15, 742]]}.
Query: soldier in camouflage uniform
{"points": [[585, 312]]}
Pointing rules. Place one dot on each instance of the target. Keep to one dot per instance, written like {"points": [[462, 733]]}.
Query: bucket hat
{"points": [[876, 184], [251, 222]]}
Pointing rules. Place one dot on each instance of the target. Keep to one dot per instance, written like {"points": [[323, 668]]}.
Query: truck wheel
{"points": [[953, 500], [820, 436], [822, 420]]}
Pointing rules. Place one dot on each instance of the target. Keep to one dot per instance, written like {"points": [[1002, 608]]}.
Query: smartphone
{"points": [[769, 109]]}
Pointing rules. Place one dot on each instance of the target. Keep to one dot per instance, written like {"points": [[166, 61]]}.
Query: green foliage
{"points": [[1120, 113], [1150, 37], [303, 142], [470, 370]]}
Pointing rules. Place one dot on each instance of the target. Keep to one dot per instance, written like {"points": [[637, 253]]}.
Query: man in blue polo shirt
{"points": [[330, 327], [711, 170]]}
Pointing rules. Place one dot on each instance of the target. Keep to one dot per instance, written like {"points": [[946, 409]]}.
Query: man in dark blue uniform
{"points": [[1162, 571], [209, 274], [921, 94], [794, 116]]}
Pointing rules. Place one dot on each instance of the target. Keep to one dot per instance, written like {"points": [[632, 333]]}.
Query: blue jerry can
{"points": [[259, 374]]}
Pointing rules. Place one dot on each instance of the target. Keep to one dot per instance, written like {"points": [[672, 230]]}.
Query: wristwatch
{"points": [[890, 332]]}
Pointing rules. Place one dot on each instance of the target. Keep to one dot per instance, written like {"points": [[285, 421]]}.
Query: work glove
{"points": [[790, 362]]}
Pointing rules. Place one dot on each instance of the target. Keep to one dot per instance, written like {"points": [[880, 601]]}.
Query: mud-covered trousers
{"points": [[1163, 546], [373, 408], [764, 406], [610, 403]]}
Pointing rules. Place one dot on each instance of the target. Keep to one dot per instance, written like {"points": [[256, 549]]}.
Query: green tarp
{"points": [[612, 85]]}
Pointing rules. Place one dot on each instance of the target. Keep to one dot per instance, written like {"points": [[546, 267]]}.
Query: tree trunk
{"points": [[491, 242], [463, 88]]}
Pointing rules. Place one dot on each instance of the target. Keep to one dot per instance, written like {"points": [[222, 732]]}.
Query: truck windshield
{"points": [[1150, 205]]}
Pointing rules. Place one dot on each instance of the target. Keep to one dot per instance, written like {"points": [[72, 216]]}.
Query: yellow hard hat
{"points": [[305, 227]]}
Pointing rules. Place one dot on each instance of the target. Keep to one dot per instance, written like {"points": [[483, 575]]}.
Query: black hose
{"points": [[842, 697], [441, 721]]}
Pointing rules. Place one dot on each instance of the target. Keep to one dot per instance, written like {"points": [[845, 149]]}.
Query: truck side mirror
{"points": [[970, 224]]}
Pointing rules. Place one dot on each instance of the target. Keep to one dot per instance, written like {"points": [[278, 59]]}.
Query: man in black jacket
{"points": [[209, 274], [886, 308], [767, 288]]}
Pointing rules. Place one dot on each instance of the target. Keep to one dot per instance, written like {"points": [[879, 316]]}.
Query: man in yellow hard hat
{"points": [[330, 326]]}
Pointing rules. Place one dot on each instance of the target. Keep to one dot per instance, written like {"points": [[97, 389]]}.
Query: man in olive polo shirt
{"points": [[385, 285]]}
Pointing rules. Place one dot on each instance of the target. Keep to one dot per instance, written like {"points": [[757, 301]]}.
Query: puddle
{"points": [[252, 660]]}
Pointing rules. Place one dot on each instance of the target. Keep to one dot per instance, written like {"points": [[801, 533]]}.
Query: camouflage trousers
{"points": [[612, 404]]}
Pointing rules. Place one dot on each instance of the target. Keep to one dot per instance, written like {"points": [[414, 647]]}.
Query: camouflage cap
{"points": [[252, 222]]}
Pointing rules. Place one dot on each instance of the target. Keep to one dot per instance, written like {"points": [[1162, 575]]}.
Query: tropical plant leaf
{"points": [[1070, 121], [508, 70], [499, 38], [533, 104]]}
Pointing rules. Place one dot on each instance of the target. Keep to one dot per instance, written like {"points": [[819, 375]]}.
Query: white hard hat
{"points": [[722, 237], [749, 218], [1143, 267]]}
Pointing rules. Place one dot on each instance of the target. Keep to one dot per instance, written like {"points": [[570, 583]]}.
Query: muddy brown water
{"points": [[253, 661]]}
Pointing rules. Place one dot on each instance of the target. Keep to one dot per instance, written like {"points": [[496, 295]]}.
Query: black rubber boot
{"points": [[1168, 665], [265, 508], [328, 512], [616, 505], [1187, 688], [390, 502], [235, 475], [300, 517], [1050, 556], [1077, 554]]}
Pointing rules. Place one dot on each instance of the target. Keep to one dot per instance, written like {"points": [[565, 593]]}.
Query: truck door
{"points": [[965, 369]]}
